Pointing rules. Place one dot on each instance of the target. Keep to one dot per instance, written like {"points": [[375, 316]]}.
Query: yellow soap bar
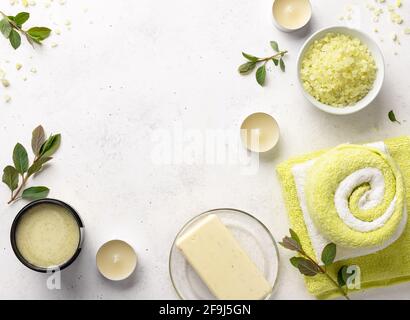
{"points": [[221, 263]]}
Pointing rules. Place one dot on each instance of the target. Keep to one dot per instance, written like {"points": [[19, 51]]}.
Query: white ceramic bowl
{"points": [[378, 58]]}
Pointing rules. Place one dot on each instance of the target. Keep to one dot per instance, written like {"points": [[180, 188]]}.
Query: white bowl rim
{"points": [[373, 92]]}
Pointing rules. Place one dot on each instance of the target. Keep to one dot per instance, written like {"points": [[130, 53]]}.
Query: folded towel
{"points": [[355, 197]]}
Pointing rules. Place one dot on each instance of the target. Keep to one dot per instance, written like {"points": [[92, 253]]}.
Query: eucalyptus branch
{"points": [[309, 267], [12, 26], [253, 61], [43, 149]]}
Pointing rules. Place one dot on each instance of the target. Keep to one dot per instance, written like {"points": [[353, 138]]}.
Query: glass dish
{"points": [[252, 235]]}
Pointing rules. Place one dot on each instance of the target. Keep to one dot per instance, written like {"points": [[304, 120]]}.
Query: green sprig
{"points": [[309, 267], [254, 61], [16, 176], [12, 27]]}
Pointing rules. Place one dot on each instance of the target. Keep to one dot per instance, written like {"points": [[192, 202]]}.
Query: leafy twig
{"points": [[308, 266], [253, 61], [11, 26], [43, 149]]}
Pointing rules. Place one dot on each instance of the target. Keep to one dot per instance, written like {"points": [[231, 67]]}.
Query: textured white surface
{"points": [[127, 68]]}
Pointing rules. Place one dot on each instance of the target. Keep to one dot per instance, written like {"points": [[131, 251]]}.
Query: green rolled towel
{"points": [[354, 196]]}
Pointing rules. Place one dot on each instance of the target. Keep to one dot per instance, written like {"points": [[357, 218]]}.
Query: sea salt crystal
{"points": [[338, 70], [5, 83]]}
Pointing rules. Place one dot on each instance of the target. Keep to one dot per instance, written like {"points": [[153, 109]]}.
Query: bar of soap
{"points": [[221, 263]]}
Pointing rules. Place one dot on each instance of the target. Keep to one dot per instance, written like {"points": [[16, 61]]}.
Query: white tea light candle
{"points": [[116, 260], [291, 15], [260, 132]]}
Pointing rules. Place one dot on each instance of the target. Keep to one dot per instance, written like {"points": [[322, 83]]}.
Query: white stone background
{"points": [[127, 68]]}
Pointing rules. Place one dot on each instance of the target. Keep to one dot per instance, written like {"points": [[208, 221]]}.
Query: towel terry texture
{"points": [[379, 242]]}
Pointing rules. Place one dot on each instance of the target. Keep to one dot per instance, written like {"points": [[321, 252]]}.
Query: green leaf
{"points": [[38, 165], [21, 17], [342, 276], [15, 39], [308, 268], [31, 40], [39, 33], [282, 65], [274, 46], [295, 261], [275, 61], [5, 28], [11, 177], [250, 57], [20, 158], [35, 193], [392, 117], [261, 75], [329, 254], [37, 140], [246, 67], [295, 237], [290, 244], [50, 146]]}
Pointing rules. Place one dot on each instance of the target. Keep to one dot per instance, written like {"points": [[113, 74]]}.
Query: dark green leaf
{"points": [[39, 33], [21, 17], [35, 193], [37, 165], [282, 65], [246, 67], [329, 254], [261, 75], [274, 46], [295, 237], [50, 146], [15, 39], [308, 268], [31, 40], [342, 276], [37, 140], [5, 28], [295, 261], [275, 61], [11, 177], [392, 117], [290, 244], [250, 57], [20, 158]]}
